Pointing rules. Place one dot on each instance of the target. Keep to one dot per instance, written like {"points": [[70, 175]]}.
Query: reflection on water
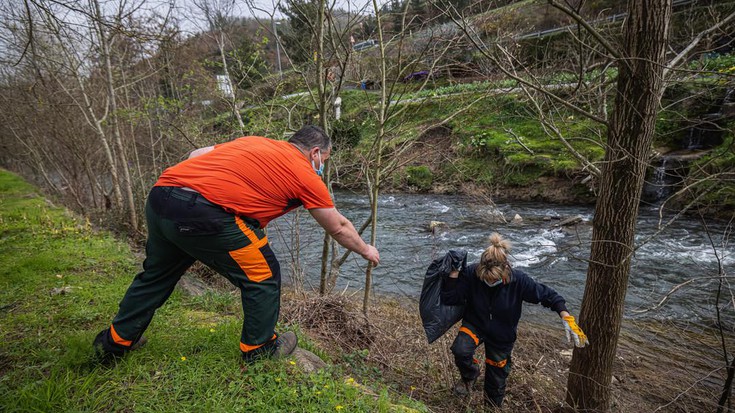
{"points": [[555, 256]]}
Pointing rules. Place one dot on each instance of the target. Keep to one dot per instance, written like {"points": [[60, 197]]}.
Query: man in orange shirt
{"points": [[214, 207]]}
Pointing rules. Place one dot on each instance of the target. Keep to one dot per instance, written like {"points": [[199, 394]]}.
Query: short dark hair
{"points": [[310, 136]]}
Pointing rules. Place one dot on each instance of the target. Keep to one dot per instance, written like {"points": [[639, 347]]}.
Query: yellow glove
{"points": [[572, 330]]}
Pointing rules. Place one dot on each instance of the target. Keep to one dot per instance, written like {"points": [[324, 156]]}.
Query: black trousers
{"points": [[497, 363], [184, 227]]}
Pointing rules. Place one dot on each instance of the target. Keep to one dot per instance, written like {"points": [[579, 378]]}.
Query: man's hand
{"points": [[572, 330], [372, 255]]}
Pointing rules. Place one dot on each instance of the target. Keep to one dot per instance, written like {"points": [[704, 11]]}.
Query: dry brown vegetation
{"points": [[660, 366]]}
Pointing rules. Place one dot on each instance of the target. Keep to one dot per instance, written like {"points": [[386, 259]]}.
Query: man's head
{"points": [[315, 144], [309, 137]]}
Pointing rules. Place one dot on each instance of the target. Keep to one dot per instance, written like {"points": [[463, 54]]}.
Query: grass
{"points": [[191, 362], [488, 143]]}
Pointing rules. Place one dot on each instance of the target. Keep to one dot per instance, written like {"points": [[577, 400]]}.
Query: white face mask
{"points": [[495, 284], [319, 171]]}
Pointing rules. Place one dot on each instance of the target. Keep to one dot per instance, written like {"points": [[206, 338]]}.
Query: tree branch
{"points": [[582, 22], [678, 58]]}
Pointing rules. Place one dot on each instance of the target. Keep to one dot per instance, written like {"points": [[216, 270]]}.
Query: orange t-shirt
{"points": [[255, 177]]}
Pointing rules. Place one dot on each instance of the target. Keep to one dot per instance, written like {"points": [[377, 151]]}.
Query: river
{"points": [[552, 255]]}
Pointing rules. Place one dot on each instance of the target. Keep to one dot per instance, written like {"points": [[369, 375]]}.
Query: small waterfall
{"points": [[659, 180], [664, 175], [702, 134], [705, 133], [706, 130], [693, 139]]}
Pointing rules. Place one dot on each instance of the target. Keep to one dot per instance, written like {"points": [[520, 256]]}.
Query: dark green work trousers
{"points": [[184, 227], [497, 363]]}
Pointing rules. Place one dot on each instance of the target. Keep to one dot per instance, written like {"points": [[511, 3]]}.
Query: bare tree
{"points": [[397, 57], [63, 53], [630, 134], [218, 15], [330, 33], [83, 61], [104, 39]]}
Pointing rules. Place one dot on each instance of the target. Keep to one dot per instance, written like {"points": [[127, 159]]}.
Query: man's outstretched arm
{"points": [[342, 230]]}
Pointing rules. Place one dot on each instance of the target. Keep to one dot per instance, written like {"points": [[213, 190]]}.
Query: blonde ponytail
{"points": [[494, 264]]}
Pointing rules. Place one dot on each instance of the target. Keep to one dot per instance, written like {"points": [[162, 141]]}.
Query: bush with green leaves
{"points": [[715, 62], [711, 172], [419, 177], [346, 134]]}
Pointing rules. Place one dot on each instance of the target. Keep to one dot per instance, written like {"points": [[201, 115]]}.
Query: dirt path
{"points": [[660, 366]]}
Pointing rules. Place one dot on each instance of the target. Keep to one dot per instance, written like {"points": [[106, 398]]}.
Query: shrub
{"points": [[523, 176], [560, 166], [721, 196], [715, 62], [345, 134], [420, 177], [476, 169]]}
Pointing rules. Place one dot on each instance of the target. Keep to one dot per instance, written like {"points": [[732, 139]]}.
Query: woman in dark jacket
{"points": [[493, 294]]}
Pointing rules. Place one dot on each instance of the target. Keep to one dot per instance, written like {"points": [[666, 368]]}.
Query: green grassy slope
{"points": [[191, 362], [489, 139]]}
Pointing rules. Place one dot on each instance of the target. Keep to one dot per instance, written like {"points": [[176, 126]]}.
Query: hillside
{"points": [[471, 128], [483, 137]]}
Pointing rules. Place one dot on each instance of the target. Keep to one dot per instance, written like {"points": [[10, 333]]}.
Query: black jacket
{"points": [[495, 311]]}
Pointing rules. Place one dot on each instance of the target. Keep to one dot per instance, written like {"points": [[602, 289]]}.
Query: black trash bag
{"points": [[437, 317]]}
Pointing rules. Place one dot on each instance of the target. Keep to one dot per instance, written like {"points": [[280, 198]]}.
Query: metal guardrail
{"points": [[367, 44], [608, 19]]}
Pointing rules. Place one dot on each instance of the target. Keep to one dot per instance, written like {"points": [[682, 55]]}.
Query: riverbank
{"points": [[490, 148], [659, 367]]}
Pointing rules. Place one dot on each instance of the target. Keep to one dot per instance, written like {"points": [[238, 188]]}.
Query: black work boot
{"points": [[464, 386], [285, 344], [107, 350], [140, 343]]}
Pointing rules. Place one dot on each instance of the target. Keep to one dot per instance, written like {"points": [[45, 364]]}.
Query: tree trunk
{"points": [[114, 124], [378, 148], [630, 135], [326, 244], [96, 123], [324, 123], [233, 99]]}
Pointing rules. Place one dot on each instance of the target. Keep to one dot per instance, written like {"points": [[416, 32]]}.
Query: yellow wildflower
{"points": [[183, 358], [338, 407], [292, 362]]}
